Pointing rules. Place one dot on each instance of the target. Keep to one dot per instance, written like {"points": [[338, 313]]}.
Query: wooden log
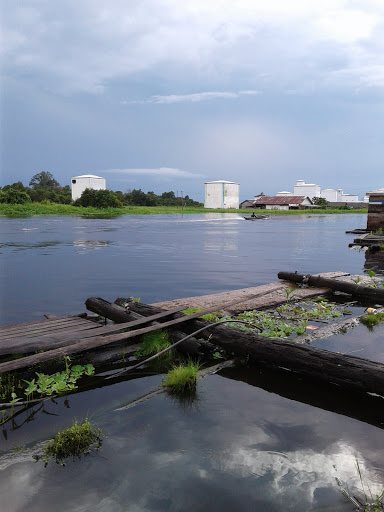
{"points": [[109, 310], [24, 345], [356, 289], [317, 366], [81, 345], [120, 314]]}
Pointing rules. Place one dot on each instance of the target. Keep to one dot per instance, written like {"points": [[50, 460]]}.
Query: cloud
{"points": [[86, 46], [195, 97], [162, 172]]}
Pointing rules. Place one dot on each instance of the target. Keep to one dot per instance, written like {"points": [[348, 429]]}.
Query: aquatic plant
{"points": [[288, 292], [371, 320], [47, 385], [154, 342], [182, 377], [73, 442], [374, 283], [8, 383], [209, 317]]}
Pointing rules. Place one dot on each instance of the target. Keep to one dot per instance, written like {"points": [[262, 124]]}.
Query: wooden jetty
{"points": [[372, 241], [358, 383], [57, 337]]}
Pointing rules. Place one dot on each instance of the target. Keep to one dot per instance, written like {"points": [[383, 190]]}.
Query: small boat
{"points": [[256, 217]]}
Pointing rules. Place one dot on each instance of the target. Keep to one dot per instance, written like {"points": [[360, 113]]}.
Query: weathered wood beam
{"points": [[356, 289], [25, 344], [314, 365], [83, 344], [119, 314]]}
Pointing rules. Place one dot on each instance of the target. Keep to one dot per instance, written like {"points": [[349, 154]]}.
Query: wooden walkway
{"points": [[257, 297], [66, 335]]}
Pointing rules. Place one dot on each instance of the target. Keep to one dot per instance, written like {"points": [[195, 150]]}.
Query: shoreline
{"points": [[33, 209]]}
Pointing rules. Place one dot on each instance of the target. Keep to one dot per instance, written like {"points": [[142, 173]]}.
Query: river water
{"points": [[237, 447]]}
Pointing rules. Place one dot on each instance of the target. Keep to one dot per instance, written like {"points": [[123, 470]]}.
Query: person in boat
{"points": [[253, 215]]}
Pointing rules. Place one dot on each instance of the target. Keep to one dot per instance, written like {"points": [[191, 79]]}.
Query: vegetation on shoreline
{"points": [[47, 208]]}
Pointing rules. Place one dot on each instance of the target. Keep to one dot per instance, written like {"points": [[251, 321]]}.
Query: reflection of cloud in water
{"points": [[23, 484], [295, 476]]}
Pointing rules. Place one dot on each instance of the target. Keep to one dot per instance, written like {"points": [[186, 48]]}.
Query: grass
{"points": [[30, 209], [366, 501], [209, 317], [182, 378], [8, 384], [154, 342], [73, 442], [372, 319]]}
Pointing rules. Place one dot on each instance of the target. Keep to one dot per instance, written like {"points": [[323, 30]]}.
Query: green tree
{"points": [[98, 199], [44, 180], [320, 201]]}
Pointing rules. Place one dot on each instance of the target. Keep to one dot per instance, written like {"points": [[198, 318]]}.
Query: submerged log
{"points": [[357, 289], [314, 365]]}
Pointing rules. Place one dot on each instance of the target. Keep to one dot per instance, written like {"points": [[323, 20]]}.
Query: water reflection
{"points": [[374, 260], [241, 449], [219, 241], [87, 245]]}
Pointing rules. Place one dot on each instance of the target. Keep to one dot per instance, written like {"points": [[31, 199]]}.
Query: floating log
{"points": [[356, 289], [314, 365]]}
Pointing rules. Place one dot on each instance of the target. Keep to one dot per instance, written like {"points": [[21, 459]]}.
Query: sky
{"points": [[166, 95]]}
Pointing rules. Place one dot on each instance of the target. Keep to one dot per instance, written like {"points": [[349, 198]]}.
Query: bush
{"points": [[13, 196], [98, 199]]}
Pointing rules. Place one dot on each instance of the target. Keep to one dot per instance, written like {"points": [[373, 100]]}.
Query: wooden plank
{"points": [[69, 331], [257, 297], [44, 332], [24, 345], [42, 324], [83, 344], [34, 322], [352, 288]]}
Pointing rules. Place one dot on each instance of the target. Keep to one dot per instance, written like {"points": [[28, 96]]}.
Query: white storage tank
{"points": [[350, 198], [221, 194], [80, 183], [332, 195], [284, 193], [306, 189]]}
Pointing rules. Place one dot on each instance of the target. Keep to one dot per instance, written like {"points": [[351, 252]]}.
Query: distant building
{"points": [[248, 203], [375, 210], [337, 196], [332, 195], [284, 193], [221, 194], [80, 183], [306, 189], [283, 202]]}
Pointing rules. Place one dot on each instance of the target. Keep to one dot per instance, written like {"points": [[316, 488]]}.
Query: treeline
{"points": [[44, 188]]}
